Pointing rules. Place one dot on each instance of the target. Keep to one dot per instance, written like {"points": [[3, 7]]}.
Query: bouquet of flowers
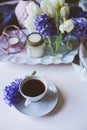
{"points": [[56, 21]]}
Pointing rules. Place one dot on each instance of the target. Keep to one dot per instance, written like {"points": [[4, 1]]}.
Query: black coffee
{"points": [[33, 87]]}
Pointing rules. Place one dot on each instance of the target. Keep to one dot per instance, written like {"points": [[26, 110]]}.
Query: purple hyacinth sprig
{"points": [[11, 93], [45, 25], [80, 28], [82, 14]]}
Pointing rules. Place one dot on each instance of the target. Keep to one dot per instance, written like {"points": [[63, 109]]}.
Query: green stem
{"points": [[57, 17], [33, 73], [50, 43]]}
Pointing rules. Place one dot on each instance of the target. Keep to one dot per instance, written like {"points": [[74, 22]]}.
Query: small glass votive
{"points": [[35, 45]]}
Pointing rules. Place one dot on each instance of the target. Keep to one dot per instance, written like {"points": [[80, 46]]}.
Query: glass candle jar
{"points": [[35, 45]]}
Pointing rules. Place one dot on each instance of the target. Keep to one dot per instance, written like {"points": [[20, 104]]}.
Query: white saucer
{"points": [[42, 107]]}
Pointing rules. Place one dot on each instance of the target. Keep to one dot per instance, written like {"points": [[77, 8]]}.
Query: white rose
{"points": [[67, 26]]}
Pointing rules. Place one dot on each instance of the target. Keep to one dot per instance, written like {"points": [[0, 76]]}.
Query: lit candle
{"points": [[13, 41]]}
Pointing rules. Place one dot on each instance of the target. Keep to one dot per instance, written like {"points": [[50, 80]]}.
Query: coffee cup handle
{"points": [[27, 102]]}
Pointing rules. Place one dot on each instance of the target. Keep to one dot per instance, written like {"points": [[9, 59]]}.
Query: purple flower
{"points": [[11, 93], [45, 25], [80, 28], [82, 14]]}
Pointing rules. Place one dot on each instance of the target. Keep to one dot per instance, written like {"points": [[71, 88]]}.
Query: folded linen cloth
{"points": [[81, 68], [80, 71], [83, 54]]}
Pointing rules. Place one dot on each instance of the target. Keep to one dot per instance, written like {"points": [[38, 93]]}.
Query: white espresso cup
{"points": [[33, 88]]}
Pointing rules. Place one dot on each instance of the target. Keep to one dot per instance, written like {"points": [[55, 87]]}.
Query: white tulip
{"points": [[54, 3], [44, 7], [61, 2], [29, 24], [64, 11], [67, 26], [57, 3], [48, 8], [33, 9]]}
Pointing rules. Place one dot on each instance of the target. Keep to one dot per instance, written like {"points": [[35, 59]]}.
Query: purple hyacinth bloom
{"points": [[45, 25], [82, 14], [80, 28], [11, 93]]}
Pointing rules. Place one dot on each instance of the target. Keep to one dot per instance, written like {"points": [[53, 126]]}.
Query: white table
{"points": [[69, 114]]}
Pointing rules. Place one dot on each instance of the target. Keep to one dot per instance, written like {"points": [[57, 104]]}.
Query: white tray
{"points": [[24, 58]]}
